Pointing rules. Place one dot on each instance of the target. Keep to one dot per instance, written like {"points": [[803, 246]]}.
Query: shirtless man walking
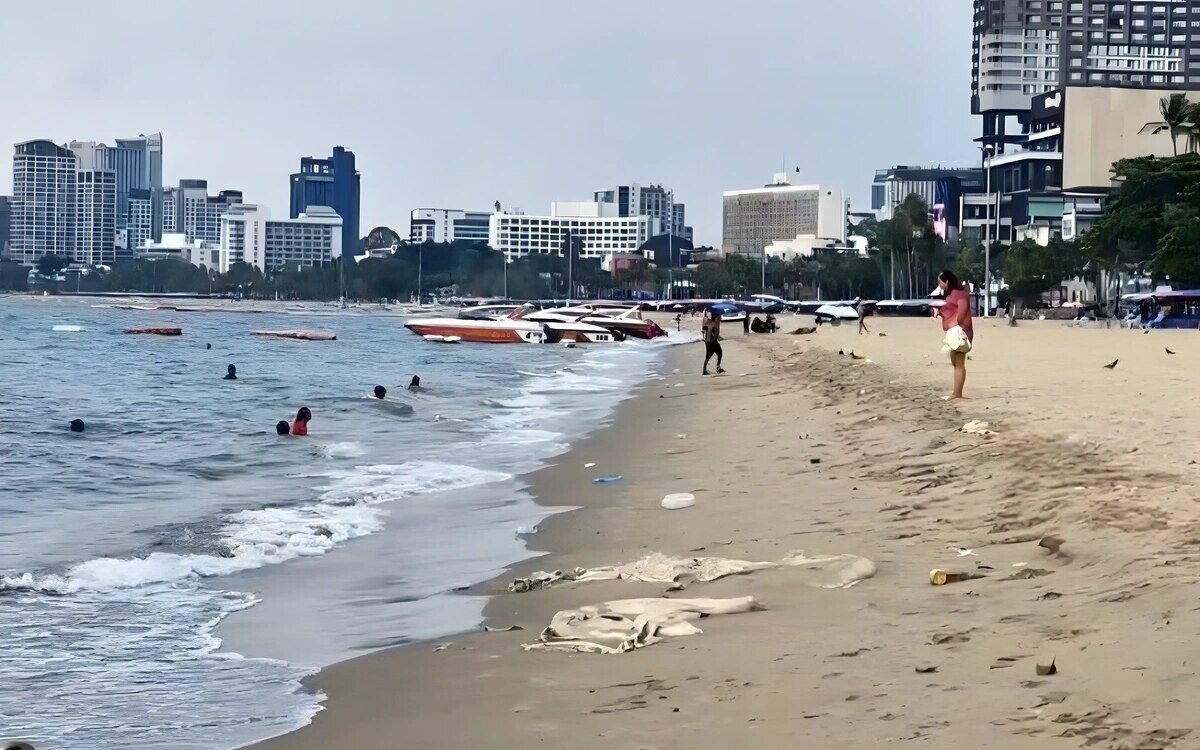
{"points": [[711, 330]]}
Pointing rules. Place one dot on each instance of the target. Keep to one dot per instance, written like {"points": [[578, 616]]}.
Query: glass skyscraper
{"points": [[333, 183]]}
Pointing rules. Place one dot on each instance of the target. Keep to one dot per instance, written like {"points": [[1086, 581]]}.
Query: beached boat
{"points": [[508, 330], [486, 312], [622, 321]]}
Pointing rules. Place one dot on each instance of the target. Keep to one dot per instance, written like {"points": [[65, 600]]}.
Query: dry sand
{"points": [[800, 448]]}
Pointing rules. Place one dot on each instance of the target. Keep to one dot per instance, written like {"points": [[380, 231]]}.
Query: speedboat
{"points": [[507, 330], [514, 328], [622, 321], [486, 312]]}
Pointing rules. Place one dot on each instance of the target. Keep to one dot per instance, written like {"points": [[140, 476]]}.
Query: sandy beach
{"points": [[798, 447]]}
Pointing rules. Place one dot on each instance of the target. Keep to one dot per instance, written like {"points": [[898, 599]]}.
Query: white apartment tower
{"points": [[43, 201]]}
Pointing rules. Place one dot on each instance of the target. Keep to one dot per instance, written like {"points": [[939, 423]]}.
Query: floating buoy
{"points": [[156, 331], [67, 329], [299, 335]]}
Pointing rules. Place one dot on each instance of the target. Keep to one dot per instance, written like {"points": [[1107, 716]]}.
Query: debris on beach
{"points": [[608, 479], [939, 577], [804, 331], [509, 629], [928, 669], [589, 465], [828, 571], [1112, 365], [678, 500], [1045, 670], [1051, 543], [625, 625], [976, 427]]}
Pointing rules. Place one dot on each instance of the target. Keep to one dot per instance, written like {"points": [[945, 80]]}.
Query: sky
{"points": [[461, 103]]}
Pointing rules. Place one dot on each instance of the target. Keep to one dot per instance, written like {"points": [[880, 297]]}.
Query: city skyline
{"points": [[514, 111]]}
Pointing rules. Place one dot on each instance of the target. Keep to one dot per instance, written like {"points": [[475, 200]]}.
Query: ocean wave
{"points": [[345, 449], [254, 538]]}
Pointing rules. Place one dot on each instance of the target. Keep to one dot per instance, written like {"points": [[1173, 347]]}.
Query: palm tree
{"points": [[1176, 113]]}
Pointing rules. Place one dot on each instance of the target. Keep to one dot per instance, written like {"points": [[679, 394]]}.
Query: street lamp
{"points": [[988, 152]]}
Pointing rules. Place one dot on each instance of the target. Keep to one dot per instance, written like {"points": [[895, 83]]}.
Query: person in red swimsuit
{"points": [[956, 312], [300, 425]]}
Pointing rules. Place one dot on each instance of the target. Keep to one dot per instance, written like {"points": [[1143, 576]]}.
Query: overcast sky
{"points": [[457, 104]]}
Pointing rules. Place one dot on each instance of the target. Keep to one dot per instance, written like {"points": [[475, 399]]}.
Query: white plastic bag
{"points": [[957, 341]]}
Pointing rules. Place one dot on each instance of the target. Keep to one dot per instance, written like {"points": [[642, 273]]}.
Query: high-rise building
{"points": [[137, 164], [654, 201], [448, 225], [753, 219], [139, 228], [198, 214], [95, 204], [333, 183], [169, 211], [44, 197], [5, 224], [1024, 48]]}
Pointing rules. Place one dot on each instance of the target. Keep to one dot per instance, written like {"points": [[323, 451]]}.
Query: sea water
{"points": [[124, 548]]}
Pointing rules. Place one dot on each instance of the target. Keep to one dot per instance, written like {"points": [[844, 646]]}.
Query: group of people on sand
{"points": [[954, 311]]}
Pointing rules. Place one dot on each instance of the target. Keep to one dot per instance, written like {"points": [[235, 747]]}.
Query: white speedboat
{"points": [[514, 328], [622, 321]]}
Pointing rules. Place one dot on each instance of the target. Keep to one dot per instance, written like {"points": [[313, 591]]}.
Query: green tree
{"points": [[50, 264], [1031, 269], [1176, 113]]}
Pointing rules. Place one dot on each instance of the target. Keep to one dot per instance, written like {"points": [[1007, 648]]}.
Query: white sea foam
{"points": [[346, 449], [253, 538]]}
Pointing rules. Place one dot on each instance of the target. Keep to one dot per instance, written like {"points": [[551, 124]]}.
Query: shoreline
{"points": [[819, 452]]}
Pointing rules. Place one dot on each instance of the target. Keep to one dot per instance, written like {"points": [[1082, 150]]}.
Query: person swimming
{"points": [[380, 392], [77, 425], [300, 424], [415, 384], [283, 428], [231, 373]]}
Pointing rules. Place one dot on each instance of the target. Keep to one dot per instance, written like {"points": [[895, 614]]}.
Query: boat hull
{"points": [[481, 332]]}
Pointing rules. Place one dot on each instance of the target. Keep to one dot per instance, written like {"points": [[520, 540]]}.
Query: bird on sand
{"points": [[1169, 350], [1112, 365]]}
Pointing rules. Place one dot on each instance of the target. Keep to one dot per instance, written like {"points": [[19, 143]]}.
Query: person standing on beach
{"points": [[711, 330], [746, 324], [956, 312], [860, 308]]}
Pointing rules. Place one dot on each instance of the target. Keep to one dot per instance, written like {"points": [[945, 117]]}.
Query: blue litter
{"points": [[607, 480]]}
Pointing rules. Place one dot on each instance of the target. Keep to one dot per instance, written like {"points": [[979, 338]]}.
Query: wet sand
{"points": [[798, 447]]}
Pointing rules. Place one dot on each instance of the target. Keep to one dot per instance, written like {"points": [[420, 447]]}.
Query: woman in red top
{"points": [[300, 425], [956, 312]]}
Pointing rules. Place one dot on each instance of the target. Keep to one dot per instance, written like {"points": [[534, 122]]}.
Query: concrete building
{"points": [[137, 165], [595, 226], [1026, 48], [332, 183], [654, 201], [249, 235], [168, 211], [448, 225], [139, 226], [43, 201], [198, 214], [1056, 173], [5, 224], [174, 245], [753, 219], [95, 204], [940, 188]]}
